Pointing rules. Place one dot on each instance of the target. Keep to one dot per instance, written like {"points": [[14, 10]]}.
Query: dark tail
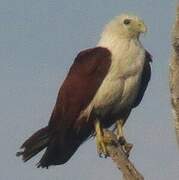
{"points": [[59, 148], [36, 143], [57, 154]]}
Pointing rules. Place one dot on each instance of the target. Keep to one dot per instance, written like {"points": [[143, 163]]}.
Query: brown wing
{"points": [[60, 137], [83, 80], [81, 84]]}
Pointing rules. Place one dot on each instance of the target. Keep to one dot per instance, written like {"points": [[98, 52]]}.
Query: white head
{"points": [[125, 27]]}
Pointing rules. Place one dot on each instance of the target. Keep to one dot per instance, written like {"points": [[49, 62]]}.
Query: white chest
{"points": [[120, 87]]}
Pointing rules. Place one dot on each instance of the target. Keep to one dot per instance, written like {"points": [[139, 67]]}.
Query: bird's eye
{"points": [[127, 21]]}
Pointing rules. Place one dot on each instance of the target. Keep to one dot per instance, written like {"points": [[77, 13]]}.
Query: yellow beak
{"points": [[142, 28]]}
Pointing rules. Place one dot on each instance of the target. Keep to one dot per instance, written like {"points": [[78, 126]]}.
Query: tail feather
{"points": [[58, 153], [36, 143], [59, 146]]}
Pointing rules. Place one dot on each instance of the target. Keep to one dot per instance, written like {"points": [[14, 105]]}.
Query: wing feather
{"points": [[146, 75], [81, 84]]}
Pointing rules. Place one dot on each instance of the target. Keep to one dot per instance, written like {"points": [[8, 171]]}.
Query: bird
{"points": [[103, 85]]}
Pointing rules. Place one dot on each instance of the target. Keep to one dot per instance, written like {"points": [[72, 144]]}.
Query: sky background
{"points": [[38, 42]]}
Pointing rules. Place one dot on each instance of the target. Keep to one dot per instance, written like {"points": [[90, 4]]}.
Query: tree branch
{"points": [[174, 73], [117, 154]]}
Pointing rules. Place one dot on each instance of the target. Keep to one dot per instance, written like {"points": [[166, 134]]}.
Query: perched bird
{"points": [[101, 88]]}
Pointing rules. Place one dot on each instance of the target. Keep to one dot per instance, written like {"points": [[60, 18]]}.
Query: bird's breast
{"points": [[121, 84], [120, 87], [130, 91]]}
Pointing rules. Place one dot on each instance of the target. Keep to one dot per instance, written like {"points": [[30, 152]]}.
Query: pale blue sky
{"points": [[38, 42]]}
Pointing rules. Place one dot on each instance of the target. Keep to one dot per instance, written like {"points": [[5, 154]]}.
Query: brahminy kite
{"points": [[101, 88]]}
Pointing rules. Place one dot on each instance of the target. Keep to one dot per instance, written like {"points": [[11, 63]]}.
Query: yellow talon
{"points": [[100, 142], [120, 136], [119, 129]]}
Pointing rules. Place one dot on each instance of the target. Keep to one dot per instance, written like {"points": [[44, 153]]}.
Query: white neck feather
{"points": [[115, 43], [127, 53]]}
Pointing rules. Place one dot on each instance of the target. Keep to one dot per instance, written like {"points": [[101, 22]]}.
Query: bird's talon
{"points": [[125, 145], [101, 141], [101, 147], [127, 148], [121, 140], [106, 155]]}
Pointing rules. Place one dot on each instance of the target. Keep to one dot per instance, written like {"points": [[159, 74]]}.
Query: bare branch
{"points": [[174, 73], [120, 158]]}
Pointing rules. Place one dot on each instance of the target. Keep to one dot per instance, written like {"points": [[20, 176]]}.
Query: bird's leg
{"points": [[119, 131], [100, 141], [120, 136]]}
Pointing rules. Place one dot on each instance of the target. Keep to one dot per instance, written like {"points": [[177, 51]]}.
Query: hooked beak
{"points": [[142, 28]]}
